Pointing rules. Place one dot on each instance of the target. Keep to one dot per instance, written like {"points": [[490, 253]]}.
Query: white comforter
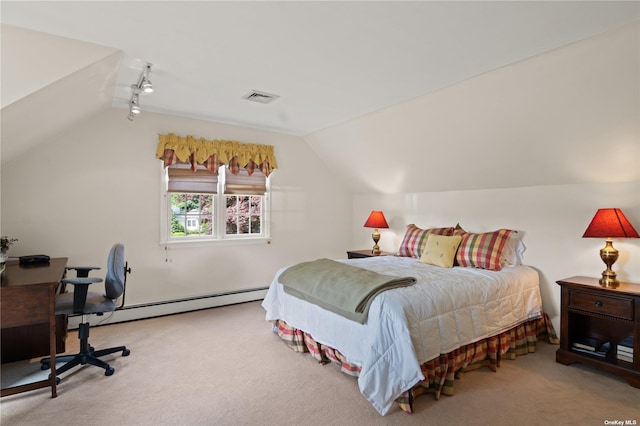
{"points": [[407, 327]]}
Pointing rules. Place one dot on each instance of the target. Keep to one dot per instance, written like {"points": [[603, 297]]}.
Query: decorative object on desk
{"points": [[609, 223], [376, 220], [5, 242]]}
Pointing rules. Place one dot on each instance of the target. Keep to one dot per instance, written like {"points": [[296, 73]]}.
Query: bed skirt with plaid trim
{"points": [[440, 372]]}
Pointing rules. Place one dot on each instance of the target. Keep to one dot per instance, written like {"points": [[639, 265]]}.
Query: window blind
{"points": [[245, 184], [183, 179]]}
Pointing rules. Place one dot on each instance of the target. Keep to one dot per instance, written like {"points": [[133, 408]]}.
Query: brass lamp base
{"points": [[609, 255], [609, 279], [376, 248]]}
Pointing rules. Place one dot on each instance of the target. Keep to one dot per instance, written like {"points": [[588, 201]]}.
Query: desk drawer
{"points": [[24, 305], [619, 307]]}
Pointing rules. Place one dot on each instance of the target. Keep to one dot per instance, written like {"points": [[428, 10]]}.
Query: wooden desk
{"points": [[27, 297]]}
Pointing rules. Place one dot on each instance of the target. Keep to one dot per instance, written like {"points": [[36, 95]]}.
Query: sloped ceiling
{"points": [[50, 83], [570, 116], [329, 61]]}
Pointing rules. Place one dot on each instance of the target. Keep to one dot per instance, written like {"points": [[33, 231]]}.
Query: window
{"points": [[202, 200], [244, 214], [201, 206], [191, 214]]}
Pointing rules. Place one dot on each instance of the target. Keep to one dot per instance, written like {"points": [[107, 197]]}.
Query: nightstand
{"points": [[359, 254], [606, 314]]}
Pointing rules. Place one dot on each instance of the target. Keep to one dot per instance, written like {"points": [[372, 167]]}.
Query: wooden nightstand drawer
{"points": [[619, 307]]}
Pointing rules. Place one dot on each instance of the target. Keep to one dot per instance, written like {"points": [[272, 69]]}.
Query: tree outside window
{"points": [[244, 214]]}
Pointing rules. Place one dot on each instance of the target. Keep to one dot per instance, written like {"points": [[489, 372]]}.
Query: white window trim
{"points": [[218, 238]]}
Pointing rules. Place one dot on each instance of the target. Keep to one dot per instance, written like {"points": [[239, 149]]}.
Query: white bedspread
{"points": [[407, 327]]}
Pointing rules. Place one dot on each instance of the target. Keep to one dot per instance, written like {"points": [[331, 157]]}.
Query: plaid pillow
{"points": [[482, 250], [458, 230], [415, 240]]}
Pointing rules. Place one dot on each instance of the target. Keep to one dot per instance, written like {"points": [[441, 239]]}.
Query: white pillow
{"points": [[513, 251]]}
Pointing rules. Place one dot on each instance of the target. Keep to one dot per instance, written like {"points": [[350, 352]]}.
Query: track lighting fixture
{"points": [[143, 86], [134, 105]]}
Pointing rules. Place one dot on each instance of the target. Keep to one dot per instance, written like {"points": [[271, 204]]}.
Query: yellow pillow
{"points": [[441, 250]]}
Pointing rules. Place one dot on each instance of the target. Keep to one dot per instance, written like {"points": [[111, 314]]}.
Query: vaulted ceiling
{"points": [[329, 62]]}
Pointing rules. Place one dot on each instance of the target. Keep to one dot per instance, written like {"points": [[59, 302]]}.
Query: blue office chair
{"points": [[84, 302]]}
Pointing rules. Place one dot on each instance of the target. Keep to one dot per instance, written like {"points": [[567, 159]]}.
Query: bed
{"points": [[417, 338]]}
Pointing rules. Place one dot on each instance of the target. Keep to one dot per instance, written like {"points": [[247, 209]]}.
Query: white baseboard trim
{"points": [[137, 312]]}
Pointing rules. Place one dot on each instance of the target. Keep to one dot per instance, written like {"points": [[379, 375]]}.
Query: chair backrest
{"points": [[115, 280]]}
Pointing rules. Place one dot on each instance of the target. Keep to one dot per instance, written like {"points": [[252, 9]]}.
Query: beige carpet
{"points": [[224, 366]]}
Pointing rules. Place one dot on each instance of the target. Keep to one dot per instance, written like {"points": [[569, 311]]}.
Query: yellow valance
{"points": [[214, 153]]}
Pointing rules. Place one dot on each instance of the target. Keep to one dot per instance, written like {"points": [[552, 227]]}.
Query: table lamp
{"points": [[376, 220], [609, 223]]}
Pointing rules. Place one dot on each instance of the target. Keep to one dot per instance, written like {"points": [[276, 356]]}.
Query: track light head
{"points": [[134, 105], [147, 87]]}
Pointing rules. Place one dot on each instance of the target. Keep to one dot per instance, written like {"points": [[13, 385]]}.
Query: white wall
{"points": [[99, 183], [537, 146]]}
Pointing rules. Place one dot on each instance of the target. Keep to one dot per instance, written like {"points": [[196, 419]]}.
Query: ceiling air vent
{"points": [[260, 97]]}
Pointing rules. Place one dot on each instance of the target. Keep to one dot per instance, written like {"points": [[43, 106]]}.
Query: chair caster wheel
{"points": [[44, 366], [109, 371], [57, 381], [126, 352]]}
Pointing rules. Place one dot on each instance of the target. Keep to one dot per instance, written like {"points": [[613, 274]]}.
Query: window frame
{"points": [[219, 236]]}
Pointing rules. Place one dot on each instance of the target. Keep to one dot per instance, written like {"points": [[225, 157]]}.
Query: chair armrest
{"points": [[82, 271], [81, 286]]}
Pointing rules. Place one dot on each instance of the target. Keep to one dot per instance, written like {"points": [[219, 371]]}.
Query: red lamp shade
{"points": [[376, 220], [610, 223]]}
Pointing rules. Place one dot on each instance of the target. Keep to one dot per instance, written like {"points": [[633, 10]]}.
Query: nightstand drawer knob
{"points": [[599, 303]]}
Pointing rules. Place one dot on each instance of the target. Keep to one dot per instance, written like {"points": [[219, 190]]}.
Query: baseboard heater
{"points": [[176, 306]]}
